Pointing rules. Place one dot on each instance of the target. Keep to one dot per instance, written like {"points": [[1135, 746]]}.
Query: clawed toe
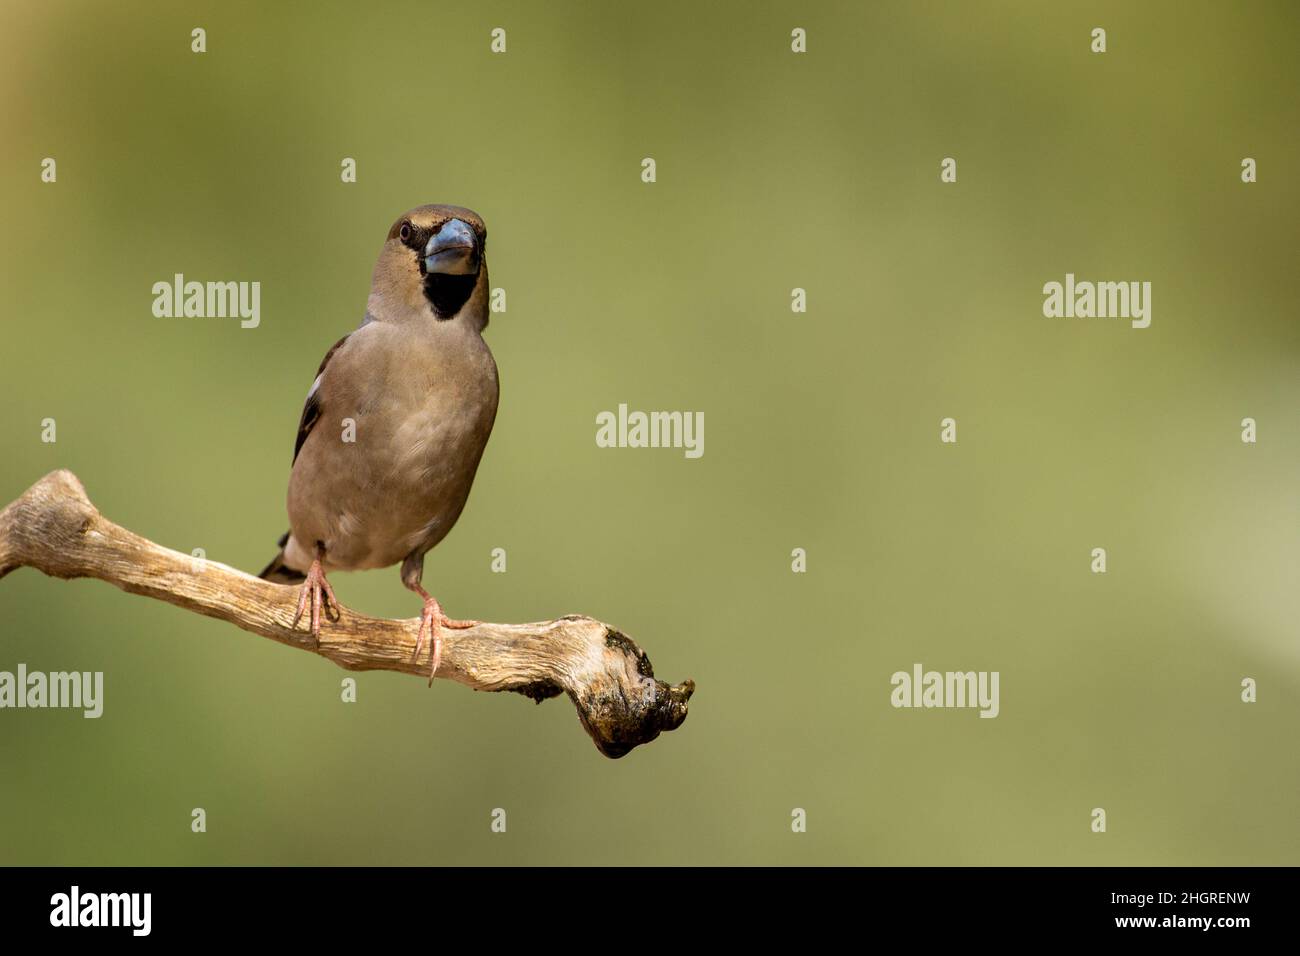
{"points": [[316, 593], [433, 620], [304, 594]]}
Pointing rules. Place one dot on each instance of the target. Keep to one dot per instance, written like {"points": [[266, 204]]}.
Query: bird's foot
{"points": [[433, 620], [318, 591]]}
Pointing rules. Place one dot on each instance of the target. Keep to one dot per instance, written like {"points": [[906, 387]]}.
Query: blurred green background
{"points": [[775, 171]]}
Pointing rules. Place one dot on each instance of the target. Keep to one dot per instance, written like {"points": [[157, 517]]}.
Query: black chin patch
{"points": [[448, 293]]}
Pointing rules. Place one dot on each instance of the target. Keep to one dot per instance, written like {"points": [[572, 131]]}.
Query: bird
{"points": [[395, 424]]}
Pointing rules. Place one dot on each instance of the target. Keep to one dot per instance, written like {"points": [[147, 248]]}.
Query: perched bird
{"points": [[396, 421]]}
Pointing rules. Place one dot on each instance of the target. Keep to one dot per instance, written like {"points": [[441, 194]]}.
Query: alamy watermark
{"points": [[922, 688], [1101, 300], [651, 430], [83, 690], [76, 908], [208, 300]]}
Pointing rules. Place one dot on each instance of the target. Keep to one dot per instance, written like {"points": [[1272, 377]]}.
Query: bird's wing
{"points": [[311, 408]]}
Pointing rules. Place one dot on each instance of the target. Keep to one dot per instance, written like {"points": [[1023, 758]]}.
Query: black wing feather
{"points": [[311, 408]]}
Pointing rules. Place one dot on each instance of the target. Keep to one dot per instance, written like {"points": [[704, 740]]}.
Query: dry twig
{"points": [[54, 528]]}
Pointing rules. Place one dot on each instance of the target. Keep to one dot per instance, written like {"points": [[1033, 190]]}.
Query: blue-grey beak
{"points": [[453, 250]]}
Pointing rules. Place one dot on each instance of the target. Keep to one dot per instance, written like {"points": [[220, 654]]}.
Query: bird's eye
{"points": [[405, 231]]}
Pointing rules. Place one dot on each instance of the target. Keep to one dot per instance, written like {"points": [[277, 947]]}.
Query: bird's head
{"points": [[433, 263]]}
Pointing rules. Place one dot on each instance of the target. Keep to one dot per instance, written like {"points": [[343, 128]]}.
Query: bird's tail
{"points": [[278, 572]]}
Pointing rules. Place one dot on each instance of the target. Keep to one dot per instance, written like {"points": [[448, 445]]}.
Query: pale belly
{"points": [[392, 483]]}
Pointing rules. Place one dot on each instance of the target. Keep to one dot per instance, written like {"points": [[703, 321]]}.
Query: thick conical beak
{"points": [[453, 250]]}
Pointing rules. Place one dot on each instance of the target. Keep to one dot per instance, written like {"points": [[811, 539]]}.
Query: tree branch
{"points": [[54, 528]]}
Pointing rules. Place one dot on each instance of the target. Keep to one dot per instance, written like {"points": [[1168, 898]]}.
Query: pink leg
{"points": [[318, 591], [433, 619]]}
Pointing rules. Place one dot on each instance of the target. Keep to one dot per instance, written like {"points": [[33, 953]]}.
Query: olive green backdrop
{"points": [[775, 171]]}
